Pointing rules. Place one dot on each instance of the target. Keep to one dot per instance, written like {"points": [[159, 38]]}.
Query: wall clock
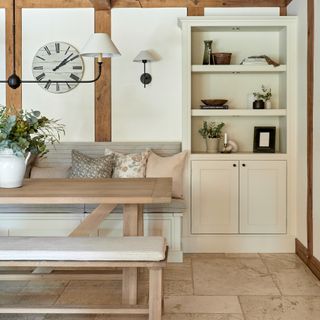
{"points": [[57, 61]]}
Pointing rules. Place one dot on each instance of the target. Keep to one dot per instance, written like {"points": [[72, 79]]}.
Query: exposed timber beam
{"points": [[101, 4]]}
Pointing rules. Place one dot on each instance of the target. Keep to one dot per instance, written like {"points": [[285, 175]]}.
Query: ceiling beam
{"points": [[101, 4], [198, 3]]}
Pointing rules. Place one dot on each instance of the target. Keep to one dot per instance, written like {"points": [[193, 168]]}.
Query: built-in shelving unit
{"points": [[235, 197]]}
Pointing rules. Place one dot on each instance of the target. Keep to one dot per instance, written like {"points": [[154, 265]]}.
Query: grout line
{"points": [[244, 316], [62, 292]]}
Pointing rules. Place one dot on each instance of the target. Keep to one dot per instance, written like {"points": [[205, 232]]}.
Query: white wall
{"points": [[241, 11], [316, 123], [299, 8], [75, 108], [2, 56], [152, 113]]}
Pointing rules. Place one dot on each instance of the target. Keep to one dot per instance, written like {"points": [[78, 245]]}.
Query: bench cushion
{"points": [[82, 249]]}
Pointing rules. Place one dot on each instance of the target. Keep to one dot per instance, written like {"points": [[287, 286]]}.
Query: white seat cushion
{"points": [[83, 249]]}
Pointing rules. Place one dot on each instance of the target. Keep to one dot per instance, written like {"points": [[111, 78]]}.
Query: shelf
{"points": [[236, 68], [239, 156], [239, 113]]}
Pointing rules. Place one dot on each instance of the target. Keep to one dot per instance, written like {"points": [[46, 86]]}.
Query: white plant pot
{"points": [[12, 169], [267, 104], [212, 145]]}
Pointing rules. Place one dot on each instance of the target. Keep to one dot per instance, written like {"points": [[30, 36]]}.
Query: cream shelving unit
{"points": [[242, 201]]}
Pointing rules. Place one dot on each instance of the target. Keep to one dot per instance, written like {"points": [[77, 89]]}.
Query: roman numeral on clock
{"points": [[47, 50], [48, 84], [57, 45], [67, 51], [77, 67], [57, 87], [74, 77], [38, 68], [41, 76], [68, 85], [41, 58]]}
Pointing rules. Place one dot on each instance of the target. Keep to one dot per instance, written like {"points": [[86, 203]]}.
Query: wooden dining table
{"points": [[132, 193]]}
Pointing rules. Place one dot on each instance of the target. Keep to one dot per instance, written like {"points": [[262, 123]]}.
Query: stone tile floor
{"points": [[204, 287]]}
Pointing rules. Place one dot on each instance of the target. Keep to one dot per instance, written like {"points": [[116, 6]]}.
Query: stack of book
{"points": [[225, 106], [255, 61]]}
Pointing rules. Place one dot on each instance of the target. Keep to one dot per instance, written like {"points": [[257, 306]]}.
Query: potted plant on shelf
{"points": [[23, 133], [211, 132], [262, 99]]}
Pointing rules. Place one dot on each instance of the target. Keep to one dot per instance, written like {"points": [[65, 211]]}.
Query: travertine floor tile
{"points": [[298, 282], [178, 288], [177, 271], [21, 317], [278, 261], [281, 308], [121, 317], [201, 304], [69, 317], [212, 316], [243, 255], [232, 277], [44, 287], [39, 299], [12, 286]]}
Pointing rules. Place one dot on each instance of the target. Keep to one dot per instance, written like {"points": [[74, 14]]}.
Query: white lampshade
{"points": [[100, 44], [144, 55]]}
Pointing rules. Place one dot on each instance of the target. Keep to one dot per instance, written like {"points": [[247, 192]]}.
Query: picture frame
{"points": [[264, 140]]}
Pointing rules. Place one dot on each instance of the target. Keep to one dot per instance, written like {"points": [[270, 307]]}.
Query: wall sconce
{"points": [[144, 57]]}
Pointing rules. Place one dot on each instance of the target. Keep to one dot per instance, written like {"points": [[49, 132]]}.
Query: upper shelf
{"points": [[239, 112], [235, 68]]}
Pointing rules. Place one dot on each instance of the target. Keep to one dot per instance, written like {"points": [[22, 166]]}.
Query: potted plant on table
{"points": [[211, 132], [262, 99], [23, 133]]}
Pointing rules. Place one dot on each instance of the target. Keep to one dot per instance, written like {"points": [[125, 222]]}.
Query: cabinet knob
{"points": [[234, 165], [243, 164]]}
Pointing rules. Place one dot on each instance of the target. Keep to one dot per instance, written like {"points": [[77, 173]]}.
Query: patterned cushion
{"points": [[84, 166], [130, 165]]}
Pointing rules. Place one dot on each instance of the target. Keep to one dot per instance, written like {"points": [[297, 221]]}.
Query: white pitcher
{"points": [[12, 169]]}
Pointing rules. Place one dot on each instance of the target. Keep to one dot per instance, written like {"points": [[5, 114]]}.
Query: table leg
{"points": [[131, 227]]}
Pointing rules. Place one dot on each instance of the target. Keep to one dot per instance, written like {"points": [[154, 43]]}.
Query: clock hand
{"points": [[62, 63]]}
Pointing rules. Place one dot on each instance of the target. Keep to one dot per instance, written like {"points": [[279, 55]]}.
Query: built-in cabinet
{"points": [[238, 197], [244, 193]]}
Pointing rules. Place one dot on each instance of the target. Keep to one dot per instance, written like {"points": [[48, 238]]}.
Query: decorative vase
{"points": [[212, 145], [207, 56], [267, 104], [258, 104], [12, 169]]}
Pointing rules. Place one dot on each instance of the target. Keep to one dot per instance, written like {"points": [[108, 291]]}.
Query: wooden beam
{"points": [[54, 4], [197, 3], [195, 11], [13, 96], [101, 4], [310, 88], [103, 86], [283, 11]]}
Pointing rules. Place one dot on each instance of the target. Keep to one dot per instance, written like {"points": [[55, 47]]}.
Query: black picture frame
{"points": [[264, 140]]}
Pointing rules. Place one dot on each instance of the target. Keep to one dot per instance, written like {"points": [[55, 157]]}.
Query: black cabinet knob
{"points": [[243, 164], [234, 165]]}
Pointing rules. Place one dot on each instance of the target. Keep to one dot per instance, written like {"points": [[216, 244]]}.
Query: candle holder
{"points": [[226, 148]]}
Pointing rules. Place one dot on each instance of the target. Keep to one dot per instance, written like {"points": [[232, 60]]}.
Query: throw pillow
{"points": [[61, 172], [84, 166], [131, 165], [172, 167]]}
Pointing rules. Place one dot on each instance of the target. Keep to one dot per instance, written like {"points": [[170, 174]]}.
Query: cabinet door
{"points": [[263, 197], [215, 197]]}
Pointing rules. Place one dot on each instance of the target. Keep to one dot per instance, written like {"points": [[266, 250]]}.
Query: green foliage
{"points": [[265, 95], [211, 130], [27, 131]]}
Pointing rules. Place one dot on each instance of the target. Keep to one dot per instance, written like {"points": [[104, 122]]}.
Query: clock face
{"points": [[57, 61]]}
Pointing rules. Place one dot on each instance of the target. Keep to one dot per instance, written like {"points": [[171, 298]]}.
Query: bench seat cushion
{"points": [[82, 249]]}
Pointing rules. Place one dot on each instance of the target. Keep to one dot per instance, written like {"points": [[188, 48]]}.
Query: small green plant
{"points": [[27, 131], [211, 130], [265, 95]]}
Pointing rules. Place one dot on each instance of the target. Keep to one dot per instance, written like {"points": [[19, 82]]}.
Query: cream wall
{"points": [[299, 8], [75, 108], [152, 113], [241, 11], [2, 56], [316, 123]]}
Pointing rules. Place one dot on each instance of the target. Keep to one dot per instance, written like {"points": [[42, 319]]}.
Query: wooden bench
{"points": [[89, 252]]}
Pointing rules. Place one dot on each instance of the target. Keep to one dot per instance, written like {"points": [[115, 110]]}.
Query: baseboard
{"points": [[175, 256], [238, 244], [312, 262]]}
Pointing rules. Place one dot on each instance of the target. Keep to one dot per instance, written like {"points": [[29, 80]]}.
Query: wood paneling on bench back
{"points": [[60, 154]]}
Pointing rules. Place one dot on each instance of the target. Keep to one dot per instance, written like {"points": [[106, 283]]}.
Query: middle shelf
{"points": [[239, 112]]}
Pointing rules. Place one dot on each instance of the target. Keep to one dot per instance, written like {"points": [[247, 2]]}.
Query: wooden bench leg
{"points": [[155, 293]]}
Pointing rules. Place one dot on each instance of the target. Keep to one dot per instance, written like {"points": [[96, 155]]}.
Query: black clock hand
{"points": [[62, 63]]}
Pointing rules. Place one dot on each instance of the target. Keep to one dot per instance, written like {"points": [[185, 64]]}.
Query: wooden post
{"points": [[103, 86], [155, 293]]}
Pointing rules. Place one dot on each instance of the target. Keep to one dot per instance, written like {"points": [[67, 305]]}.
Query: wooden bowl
{"points": [[214, 102]]}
